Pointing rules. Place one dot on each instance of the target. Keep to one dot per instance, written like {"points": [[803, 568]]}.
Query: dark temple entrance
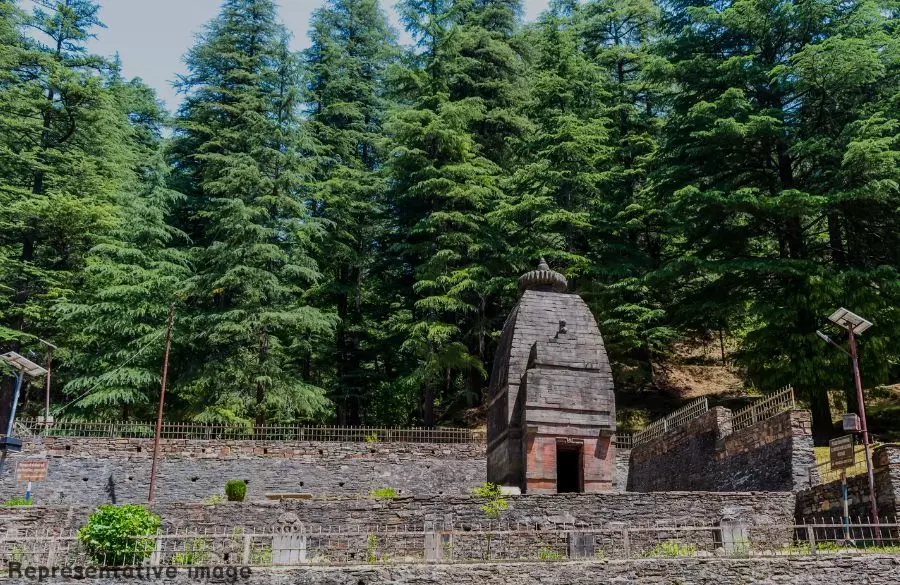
{"points": [[568, 470]]}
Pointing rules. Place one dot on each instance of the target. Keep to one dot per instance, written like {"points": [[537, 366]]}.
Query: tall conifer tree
{"points": [[763, 177], [345, 67], [240, 155]]}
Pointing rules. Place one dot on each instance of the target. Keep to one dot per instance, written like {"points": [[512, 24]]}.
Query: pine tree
{"points": [[621, 38], [61, 164], [442, 187], [546, 213], [240, 153], [351, 47], [116, 320], [762, 176]]}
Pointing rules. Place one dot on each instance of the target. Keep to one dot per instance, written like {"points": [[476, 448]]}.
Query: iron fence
{"points": [[682, 416], [195, 431], [492, 542], [764, 409], [624, 440]]}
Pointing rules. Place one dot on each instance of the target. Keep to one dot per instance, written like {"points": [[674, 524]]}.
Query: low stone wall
{"points": [[540, 511], [705, 455], [101, 470], [810, 570], [824, 501]]}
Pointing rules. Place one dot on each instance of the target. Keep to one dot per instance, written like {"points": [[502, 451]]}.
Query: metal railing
{"points": [[299, 545], [683, 415], [624, 440], [194, 431], [764, 409]]}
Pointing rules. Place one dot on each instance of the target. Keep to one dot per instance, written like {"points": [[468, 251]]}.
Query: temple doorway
{"points": [[568, 469]]}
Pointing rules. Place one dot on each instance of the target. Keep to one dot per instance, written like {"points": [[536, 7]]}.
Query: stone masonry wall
{"points": [[705, 455], [824, 501], [106, 470], [541, 511], [807, 570]]}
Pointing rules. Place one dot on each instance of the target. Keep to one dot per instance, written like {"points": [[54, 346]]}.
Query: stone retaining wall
{"points": [[705, 455], [810, 570], [542, 511], [108, 470]]}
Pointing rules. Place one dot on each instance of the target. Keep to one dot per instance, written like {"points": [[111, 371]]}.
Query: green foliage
{"points": [[496, 504], [548, 554], [371, 439], [235, 490], [387, 493], [17, 502], [196, 552], [118, 535], [672, 548], [214, 499], [371, 548], [240, 161]]}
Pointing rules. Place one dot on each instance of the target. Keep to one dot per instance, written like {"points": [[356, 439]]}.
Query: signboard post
{"points": [[843, 455], [30, 470]]}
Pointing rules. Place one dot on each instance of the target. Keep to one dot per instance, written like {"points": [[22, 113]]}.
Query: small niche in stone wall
{"points": [[68, 447], [301, 484], [194, 478], [265, 451], [341, 484], [130, 478], [138, 449]]}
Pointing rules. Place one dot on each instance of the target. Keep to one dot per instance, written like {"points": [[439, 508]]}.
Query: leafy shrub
{"points": [[373, 438], [17, 502], [496, 504], [118, 535], [387, 493], [672, 548], [548, 554], [196, 551], [235, 490], [371, 547], [214, 499]]}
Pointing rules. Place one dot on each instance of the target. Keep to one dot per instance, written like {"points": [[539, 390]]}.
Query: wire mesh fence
{"points": [[682, 416], [823, 472], [435, 543], [193, 431], [764, 409]]}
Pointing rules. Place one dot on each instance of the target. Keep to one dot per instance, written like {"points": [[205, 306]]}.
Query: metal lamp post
{"points": [[856, 325], [24, 367]]}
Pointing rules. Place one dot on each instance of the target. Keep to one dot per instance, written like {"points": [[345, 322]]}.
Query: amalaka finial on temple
{"points": [[543, 278]]}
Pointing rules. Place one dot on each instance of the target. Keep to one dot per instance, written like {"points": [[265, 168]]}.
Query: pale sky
{"points": [[151, 36]]}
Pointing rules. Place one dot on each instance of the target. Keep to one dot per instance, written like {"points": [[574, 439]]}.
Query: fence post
{"points": [[626, 543], [245, 560], [811, 536]]}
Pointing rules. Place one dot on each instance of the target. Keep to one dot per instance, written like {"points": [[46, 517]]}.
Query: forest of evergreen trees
{"points": [[341, 230]]}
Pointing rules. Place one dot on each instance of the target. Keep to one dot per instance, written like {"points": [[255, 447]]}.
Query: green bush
{"points": [[117, 535], [496, 504], [17, 502], [387, 493], [235, 490]]}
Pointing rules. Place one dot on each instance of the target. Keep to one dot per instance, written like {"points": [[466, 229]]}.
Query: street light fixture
{"points": [[855, 325], [24, 367]]}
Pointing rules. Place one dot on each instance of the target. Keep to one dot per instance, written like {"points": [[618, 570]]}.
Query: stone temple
{"points": [[551, 409]]}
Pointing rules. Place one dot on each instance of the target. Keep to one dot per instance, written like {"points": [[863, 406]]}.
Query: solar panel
{"points": [[24, 364]]}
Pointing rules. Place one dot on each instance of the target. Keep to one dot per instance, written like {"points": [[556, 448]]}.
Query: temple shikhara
{"points": [[551, 409]]}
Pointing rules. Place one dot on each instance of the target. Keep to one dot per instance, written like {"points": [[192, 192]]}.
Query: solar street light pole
{"points": [[863, 426]]}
